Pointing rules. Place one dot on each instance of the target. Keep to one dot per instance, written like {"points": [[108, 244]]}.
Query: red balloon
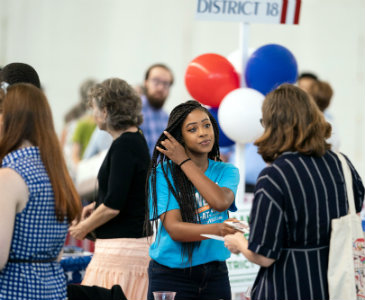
{"points": [[210, 77]]}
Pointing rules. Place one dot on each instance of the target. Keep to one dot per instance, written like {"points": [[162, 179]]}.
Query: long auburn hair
{"points": [[27, 116], [181, 188], [292, 122]]}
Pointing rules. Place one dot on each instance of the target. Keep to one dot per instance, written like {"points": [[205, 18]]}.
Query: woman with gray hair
{"points": [[116, 218]]}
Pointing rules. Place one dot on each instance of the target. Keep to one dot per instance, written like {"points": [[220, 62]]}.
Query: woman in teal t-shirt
{"points": [[190, 191]]}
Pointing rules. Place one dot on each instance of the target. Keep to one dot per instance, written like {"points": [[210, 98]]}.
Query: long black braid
{"points": [[182, 189]]}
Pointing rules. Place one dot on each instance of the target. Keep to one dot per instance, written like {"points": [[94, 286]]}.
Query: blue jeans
{"points": [[208, 281]]}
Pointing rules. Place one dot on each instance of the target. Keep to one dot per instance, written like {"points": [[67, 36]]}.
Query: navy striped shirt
{"points": [[295, 200]]}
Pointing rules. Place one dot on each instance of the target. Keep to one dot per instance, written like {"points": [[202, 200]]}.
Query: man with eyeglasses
{"points": [[158, 80]]}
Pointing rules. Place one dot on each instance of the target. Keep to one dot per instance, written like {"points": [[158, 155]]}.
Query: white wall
{"points": [[69, 40]]}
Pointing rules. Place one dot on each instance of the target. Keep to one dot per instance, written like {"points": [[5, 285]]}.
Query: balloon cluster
{"points": [[212, 80]]}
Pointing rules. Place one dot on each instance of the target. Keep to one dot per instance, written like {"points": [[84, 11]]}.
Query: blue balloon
{"points": [[224, 141], [269, 66]]}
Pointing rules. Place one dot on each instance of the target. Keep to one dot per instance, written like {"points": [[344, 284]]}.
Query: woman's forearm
{"points": [[220, 199], [238, 243], [99, 217], [257, 258], [189, 232]]}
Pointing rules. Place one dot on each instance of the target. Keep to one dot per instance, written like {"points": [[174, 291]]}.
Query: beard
{"points": [[155, 101]]}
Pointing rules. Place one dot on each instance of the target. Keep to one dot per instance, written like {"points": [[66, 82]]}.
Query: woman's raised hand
{"points": [[173, 149]]}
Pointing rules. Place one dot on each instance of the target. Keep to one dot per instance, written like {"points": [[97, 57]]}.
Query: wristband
{"points": [[184, 161]]}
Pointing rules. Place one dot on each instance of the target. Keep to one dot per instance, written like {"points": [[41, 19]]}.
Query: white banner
{"points": [[258, 11]]}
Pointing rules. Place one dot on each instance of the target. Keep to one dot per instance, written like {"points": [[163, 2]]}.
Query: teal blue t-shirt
{"points": [[167, 251]]}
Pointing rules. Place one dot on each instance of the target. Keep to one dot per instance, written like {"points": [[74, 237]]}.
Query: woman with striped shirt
{"points": [[296, 197]]}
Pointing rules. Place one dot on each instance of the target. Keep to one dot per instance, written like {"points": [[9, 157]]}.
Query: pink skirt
{"points": [[120, 261]]}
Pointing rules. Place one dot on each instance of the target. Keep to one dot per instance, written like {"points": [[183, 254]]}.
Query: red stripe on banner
{"points": [[297, 11], [283, 12]]}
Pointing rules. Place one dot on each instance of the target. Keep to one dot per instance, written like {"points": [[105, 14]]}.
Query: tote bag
{"points": [[346, 264]]}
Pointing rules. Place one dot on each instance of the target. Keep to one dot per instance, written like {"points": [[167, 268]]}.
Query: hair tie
{"points": [[184, 161], [4, 85]]}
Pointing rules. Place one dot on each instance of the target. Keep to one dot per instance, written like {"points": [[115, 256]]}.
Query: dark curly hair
{"points": [[121, 102], [181, 188]]}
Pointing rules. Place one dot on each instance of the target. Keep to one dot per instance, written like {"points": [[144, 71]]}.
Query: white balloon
{"points": [[235, 58], [239, 115]]}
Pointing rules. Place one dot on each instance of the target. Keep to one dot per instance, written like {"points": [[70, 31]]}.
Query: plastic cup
{"points": [[164, 295]]}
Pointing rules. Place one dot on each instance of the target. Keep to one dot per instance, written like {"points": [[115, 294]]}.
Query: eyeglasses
{"points": [[157, 82]]}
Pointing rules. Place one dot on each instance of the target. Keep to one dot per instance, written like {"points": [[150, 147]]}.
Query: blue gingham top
{"points": [[37, 235]]}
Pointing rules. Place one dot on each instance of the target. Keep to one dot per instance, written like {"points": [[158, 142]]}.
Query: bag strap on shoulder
{"points": [[348, 183]]}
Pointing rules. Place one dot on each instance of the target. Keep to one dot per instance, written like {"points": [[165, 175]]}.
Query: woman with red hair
{"points": [[38, 199]]}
